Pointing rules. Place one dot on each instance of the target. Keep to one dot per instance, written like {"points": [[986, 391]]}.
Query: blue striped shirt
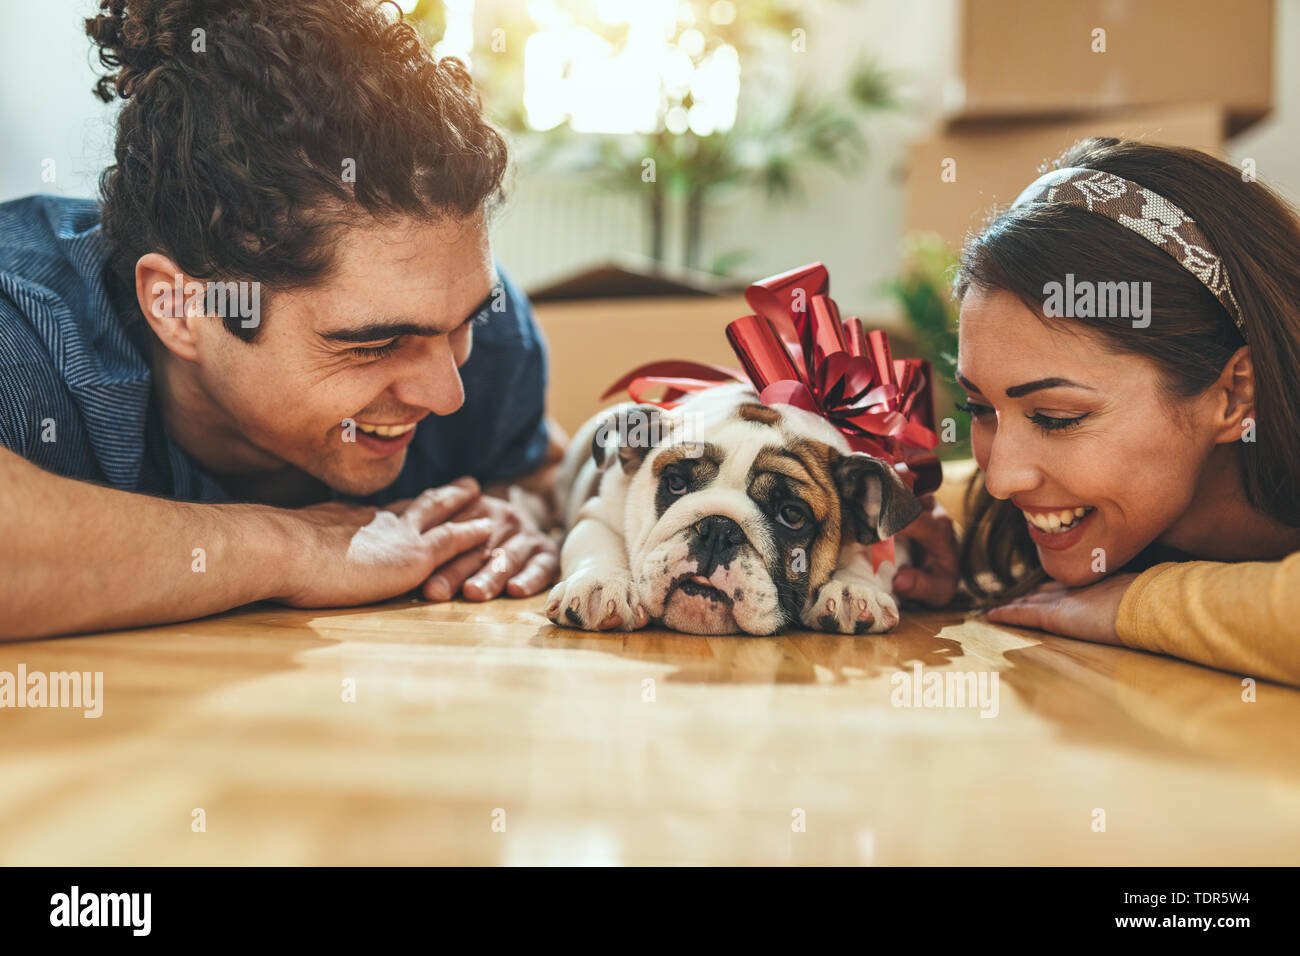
{"points": [[76, 391]]}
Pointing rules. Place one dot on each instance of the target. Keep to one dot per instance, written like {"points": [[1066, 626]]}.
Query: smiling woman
{"points": [[1113, 441]]}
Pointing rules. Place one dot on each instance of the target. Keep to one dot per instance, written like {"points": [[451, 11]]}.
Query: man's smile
{"points": [[386, 431], [385, 440]]}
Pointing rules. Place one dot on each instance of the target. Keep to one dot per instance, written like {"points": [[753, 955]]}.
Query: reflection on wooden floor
{"points": [[482, 734]]}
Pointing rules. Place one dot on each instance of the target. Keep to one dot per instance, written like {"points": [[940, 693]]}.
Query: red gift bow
{"points": [[797, 351]]}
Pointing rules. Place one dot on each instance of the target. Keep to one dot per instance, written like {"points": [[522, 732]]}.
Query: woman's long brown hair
{"points": [[1190, 338]]}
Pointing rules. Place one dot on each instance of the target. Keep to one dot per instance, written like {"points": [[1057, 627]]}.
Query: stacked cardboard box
{"points": [[593, 342], [1031, 78]]}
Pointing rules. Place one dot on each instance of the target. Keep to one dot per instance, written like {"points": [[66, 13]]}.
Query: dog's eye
{"points": [[791, 516], [676, 484]]}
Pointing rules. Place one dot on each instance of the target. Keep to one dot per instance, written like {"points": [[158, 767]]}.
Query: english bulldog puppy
{"points": [[723, 516]]}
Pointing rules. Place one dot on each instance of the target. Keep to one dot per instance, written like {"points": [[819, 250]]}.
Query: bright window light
{"points": [[458, 39], [573, 75]]}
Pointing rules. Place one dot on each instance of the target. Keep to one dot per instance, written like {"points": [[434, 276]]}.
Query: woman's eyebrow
{"points": [[1017, 391], [391, 329]]}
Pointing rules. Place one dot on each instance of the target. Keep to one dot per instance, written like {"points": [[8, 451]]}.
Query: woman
{"points": [[1130, 349]]}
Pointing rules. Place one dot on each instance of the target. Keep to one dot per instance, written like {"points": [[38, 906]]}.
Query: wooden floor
{"points": [[482, 734]]}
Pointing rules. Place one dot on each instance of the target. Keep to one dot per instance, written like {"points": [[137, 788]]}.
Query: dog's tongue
{"points": [[701, 579]]}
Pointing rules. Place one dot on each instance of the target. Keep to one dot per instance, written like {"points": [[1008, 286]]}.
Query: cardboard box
{"points": [[993, 162], [593, 343], [1036, 58]]}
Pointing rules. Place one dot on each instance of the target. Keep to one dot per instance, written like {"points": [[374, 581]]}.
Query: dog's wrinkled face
{"points": [[736, 513]]}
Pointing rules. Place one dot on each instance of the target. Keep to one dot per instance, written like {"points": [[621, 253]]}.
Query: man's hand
{"points": [[346, 555], [1088, 613], [933, 579], [517, 559]]}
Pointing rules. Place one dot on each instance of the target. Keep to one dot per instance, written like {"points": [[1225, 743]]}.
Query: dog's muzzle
{"points": [[716, 541]]}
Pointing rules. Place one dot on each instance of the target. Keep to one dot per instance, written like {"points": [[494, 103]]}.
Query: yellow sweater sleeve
{"points": [[1237, 617]]}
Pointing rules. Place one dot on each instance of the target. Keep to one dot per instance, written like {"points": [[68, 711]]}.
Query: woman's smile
{"points": [[1057, 528]]}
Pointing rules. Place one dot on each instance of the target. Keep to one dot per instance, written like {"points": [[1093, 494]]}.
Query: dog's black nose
{"points": [[720, 526], [717, 539]]}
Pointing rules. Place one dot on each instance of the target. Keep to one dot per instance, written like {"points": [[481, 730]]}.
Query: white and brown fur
{"points": [[723, 516]]}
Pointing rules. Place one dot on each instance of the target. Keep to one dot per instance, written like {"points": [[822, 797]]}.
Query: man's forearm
{"points": [[76, 556]]}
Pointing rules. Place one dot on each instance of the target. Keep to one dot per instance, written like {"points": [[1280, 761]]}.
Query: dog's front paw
{"points": [[851, 606], [595, 602]]}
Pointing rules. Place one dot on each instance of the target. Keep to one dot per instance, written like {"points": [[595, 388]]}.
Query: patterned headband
{"points": [[1148, 214]]}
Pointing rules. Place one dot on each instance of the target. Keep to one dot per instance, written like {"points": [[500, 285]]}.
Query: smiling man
{"points": [[277, 361]]}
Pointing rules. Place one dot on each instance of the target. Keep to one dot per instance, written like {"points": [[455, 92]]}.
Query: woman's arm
{"points": [[1243, 617], [1238, 617]]}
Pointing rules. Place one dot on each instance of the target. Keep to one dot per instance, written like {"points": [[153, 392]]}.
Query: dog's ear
{"points": [[876, 502], [628, 433]]}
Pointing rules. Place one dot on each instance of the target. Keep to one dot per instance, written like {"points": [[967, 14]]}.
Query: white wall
{"points": [[48, 111], [1274, 143]]}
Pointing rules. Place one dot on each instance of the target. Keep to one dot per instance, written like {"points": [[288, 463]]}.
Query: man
{"points": [[254, 372]]}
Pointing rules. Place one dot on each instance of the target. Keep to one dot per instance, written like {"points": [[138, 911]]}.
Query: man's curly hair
{"points": [[231, 143]]}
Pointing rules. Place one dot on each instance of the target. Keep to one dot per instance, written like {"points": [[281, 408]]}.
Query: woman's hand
{"points": [[1088, 613], [933, 579]]}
